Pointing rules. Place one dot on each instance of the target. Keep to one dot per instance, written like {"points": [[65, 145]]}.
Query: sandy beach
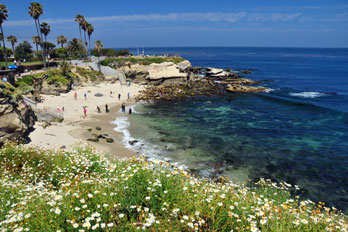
{"points": [[73, 129]]}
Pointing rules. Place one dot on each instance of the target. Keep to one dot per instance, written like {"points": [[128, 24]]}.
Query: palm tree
{"points": [[3, 17], [1, 38], [13, 40], [84, 24], [35, 11], [45, 29], [65, 68], [90, 30], [79, 18], [36, 40], [61, 40], [98, 46], [75, 47]]}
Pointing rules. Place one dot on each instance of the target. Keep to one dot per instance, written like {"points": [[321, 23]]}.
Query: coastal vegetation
{"points": [[142, 60], [62, 190]]}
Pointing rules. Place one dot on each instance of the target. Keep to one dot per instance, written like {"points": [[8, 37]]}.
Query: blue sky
{"points": [[150, 23]]}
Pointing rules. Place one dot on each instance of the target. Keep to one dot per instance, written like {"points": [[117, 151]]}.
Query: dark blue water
{"points": [[296, 133]]}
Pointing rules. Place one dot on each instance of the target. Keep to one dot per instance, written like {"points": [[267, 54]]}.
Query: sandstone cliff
{"points": [[15, 118]]}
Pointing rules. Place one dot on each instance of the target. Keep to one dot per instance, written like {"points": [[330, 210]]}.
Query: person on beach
{"points": [[98, 109], [110, 93], [75, 95], [130, 110], [85, 111], [85, 95], [128, 95], [106, 108], [119, 96], [123, 108]]}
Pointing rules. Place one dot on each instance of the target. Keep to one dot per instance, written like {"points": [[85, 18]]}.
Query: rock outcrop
{"points": [[16, 119], [156, 74]]}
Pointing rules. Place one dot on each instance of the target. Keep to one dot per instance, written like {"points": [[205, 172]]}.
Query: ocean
{"points": [[297, 132]]}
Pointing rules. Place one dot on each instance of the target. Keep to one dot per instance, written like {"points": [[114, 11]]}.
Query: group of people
{"points": [[123, 107]]}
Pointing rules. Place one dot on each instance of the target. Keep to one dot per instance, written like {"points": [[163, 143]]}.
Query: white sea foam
{"points": [[307, 94], [268, 90], [132, 107], [151, 151]]}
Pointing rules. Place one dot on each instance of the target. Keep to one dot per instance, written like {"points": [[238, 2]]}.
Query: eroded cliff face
{"points": [[16, 119], [157, 74]]}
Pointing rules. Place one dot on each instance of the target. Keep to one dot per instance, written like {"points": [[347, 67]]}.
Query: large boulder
{"points": [[16, 119], [163, 73]]}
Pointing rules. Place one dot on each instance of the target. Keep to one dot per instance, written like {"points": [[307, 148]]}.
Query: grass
{"points": [[80, 190], [89, 74], [143, 60], [22, 63]]}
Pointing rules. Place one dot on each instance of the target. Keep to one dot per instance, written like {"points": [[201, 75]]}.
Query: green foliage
{"points": [[89, 74], [2, 53], [111, 52], [76, 48], [6, 88], [48, 46], [23, 51], [25, 80], [142, 60], [65, 68], [79, 189], [57, 80], [59, 53]]}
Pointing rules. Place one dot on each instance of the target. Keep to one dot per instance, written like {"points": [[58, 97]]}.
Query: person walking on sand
{"points": [[85, 111], [98, 109], [123, 108], [128, 95], [119, 96], [110, 93], [85, 95], [106, 108], [75, 95]]}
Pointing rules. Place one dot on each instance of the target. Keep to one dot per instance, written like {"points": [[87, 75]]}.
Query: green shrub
{"points": [[57, 80]]}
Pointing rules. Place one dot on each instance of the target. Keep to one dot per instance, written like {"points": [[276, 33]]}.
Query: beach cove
{"points": [[74, 128]]}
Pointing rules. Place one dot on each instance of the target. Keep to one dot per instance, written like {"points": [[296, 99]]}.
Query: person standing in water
{"points": [[123, 108], [130, 110]]}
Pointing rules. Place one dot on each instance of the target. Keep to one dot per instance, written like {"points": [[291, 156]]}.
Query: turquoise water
{"points": [[297, 133]]}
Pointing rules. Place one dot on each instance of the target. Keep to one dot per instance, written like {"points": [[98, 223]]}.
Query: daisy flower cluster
{"points": [[82, 190]]}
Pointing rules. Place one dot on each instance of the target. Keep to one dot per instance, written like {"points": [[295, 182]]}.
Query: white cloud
{"points": [[212, 17]]}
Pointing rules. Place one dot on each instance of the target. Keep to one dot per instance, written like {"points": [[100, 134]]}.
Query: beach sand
{"points": [[73, 129]]}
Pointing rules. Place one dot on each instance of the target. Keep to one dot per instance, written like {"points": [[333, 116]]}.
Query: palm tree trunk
{"points": [[37, 24], [89, 43], [37, 48], [3, 40], [86, 42], [80, 32], [12, 47]]}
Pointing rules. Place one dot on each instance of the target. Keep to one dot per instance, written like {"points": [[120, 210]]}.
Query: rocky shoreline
{"points": [[170, 80]]}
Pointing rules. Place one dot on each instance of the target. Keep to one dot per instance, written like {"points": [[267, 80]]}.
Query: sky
{"points": [[167, 23]]}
